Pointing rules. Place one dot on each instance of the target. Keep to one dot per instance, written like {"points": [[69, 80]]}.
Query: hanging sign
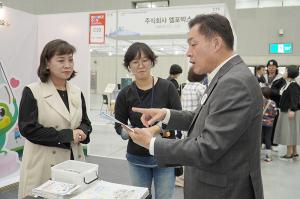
{"points": [[162, 21], [97, 28]]}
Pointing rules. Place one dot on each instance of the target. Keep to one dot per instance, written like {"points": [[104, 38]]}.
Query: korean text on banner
{"points": [[97, 28]]}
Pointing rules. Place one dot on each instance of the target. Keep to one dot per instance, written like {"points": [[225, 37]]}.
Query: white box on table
{"points": [[75, 172]]}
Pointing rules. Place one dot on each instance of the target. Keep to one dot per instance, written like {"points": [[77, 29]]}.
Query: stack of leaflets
{"points": [[55, 190], [106, 190]]}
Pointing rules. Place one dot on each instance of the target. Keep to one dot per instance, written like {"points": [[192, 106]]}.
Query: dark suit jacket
{"points": [[222, 150]]}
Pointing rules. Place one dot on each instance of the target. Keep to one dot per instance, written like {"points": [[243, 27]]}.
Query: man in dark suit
{"points": [[259, 73], [222, 150]]}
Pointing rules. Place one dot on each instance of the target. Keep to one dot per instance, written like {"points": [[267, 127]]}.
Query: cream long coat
{"points": [[52, 112]]}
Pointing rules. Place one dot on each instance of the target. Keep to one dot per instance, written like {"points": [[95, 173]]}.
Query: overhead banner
{"points": [[162, 21], [97, 28]]}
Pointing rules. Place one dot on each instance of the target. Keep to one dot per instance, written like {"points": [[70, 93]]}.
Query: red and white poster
{"points": [[97, 28]]}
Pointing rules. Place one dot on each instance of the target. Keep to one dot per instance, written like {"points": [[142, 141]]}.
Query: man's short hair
{"points": [[214, 24], [259, 67], [175, 69]]}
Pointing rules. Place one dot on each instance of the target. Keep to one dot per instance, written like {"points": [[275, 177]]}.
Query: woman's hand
{"points": [[291, 114], [78, 136]]}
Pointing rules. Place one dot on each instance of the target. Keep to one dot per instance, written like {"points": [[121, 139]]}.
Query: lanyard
{"points": [[152, 95]]}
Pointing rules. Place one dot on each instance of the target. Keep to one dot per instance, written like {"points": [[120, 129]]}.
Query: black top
{"points": [[261, 79], [290, 98], [38, 134], [275, 88], [174, 81], [64, 97], [164, 96]]}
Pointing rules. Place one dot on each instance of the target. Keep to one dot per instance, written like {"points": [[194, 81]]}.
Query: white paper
{"points": [[104, 190], [55, 189]]}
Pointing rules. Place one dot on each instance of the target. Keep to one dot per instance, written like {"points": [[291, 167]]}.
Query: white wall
{"points": [[18, 47], [72, 27], [255, 28], [22, 42]]}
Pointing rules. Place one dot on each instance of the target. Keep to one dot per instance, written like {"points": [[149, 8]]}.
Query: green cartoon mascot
{"points": [[7, 121]]}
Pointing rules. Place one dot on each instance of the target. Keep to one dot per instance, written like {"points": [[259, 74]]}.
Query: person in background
{"points": [[52, 118], [287, 130], [272, 77], [191, 95], [146, 91], [275, 96], [298, 80], [259, 73], [269, 113], [193, 91], [174, 73], [272, 73]]}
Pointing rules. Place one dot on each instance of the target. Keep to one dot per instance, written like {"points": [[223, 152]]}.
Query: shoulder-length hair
{"points": [[135, 51], [52, 48]]}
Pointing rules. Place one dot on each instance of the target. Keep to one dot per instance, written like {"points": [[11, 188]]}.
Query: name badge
{"points": [[203, 99]]}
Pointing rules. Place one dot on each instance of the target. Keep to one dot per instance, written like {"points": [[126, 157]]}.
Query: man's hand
{"points": [[141, 137], [151, 115]]}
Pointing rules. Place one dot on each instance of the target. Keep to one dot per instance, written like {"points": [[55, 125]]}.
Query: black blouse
{"points": [[164, 95], [290, 98], [38, 134], [275, 88], [174, 81]]}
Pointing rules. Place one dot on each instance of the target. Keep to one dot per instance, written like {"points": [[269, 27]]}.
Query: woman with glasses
{"points": [[146, 91]]}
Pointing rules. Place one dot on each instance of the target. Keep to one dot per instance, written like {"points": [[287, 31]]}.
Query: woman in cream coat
{"points": [[52, 118]]}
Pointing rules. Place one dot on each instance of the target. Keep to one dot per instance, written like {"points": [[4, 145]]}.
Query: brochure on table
{"points": [[71, 179], [103, 189], [55, 190]]}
